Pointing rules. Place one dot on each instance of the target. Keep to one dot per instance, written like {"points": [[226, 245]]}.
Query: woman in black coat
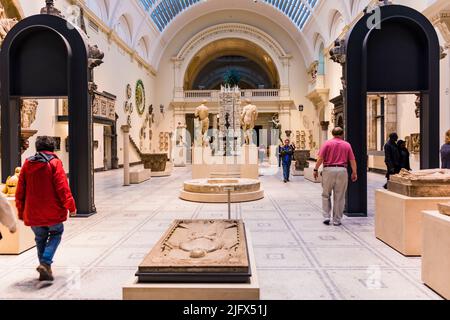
{"points": [[404, 156]]}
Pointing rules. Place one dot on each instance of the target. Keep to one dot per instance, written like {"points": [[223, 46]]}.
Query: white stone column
{"points": [[285, 91], [178, 90], [126, 154], [285, 119]]}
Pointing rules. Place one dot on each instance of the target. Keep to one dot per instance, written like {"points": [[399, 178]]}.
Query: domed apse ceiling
{"points": [[162, 12], [255, 67]]}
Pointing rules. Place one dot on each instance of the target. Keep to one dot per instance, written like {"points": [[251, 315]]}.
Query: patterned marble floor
{"points": [[297, 256]]}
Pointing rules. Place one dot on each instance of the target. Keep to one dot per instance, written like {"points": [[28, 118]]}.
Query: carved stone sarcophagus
{"points": [[155, 161], [199, 251], [423, 183], [301, 158]]}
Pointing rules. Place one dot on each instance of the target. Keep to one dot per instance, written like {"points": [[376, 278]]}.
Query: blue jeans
{"points": [[47, 241], [286, 170]]}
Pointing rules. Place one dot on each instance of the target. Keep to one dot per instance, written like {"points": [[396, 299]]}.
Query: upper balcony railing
{"points": [[213, 95]]}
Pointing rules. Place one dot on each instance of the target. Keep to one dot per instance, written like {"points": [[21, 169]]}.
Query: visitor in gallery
{"points": [[279, 155], [445, 152], [7, 216], [404, 162], [391, 157], [335, 155], [43, 199], [286, 154]]}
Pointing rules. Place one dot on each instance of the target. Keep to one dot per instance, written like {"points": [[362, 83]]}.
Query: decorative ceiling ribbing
{"points": [[162, 12]]}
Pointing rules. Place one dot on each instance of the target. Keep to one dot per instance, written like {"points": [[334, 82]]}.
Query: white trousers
{"points": [[334, 181]]}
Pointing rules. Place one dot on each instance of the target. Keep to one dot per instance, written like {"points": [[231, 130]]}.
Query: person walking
{"points": [[391, 157], [404, 162], [335, 155], [7, 215], [287, 153], [43, 199], [445, 152]]}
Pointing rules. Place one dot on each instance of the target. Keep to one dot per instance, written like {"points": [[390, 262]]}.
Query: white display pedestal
{"points": [[140, 175], [309, 175], [205, 166], [436, 252], [273, 159], [187, 291], [19, 242], [180, 156], [398, 220]]}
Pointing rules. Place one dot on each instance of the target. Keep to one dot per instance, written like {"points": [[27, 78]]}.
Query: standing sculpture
{"points": [[276, 125], [202, 115], [248, 119]]}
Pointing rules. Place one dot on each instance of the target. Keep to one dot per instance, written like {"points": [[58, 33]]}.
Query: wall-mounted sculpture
{"points": [[6, 24], [140, 97], [28, 109], [415, 143]]}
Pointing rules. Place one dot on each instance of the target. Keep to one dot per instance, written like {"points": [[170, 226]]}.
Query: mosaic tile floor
{"points": [[297, 256]]}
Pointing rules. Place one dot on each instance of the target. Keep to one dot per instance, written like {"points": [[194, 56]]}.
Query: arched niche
{"points": [[232, 31], [401, 56], [42, 58], [240, 54]]}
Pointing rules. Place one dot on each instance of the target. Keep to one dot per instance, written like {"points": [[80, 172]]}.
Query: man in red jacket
{"points": [[43, 199]]}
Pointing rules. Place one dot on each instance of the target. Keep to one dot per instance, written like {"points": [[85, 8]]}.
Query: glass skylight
{"points": [[162, 12], [298, 11]]}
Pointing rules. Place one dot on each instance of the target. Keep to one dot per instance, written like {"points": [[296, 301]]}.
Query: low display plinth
{"points": [[436, 252], [309, 175], [398, 220], [231, 264], [19, 242], [138, 176], [216, 190]]}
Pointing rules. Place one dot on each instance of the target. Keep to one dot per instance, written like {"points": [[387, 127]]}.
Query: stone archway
{"points": [[236, 31]]}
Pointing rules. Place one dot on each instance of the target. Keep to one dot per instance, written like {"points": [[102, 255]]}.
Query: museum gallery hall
{"points": [[207, 149]]}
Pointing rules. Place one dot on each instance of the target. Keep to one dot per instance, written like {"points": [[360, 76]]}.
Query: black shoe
{"points": [[285, 181], [385, 186], [45, 272], [326, 222]]}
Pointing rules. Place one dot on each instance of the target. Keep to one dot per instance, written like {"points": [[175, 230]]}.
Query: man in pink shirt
{"points": [[335, 155]]}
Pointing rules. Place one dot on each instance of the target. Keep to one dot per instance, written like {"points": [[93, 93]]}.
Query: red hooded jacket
{"points": [[43, 196]]}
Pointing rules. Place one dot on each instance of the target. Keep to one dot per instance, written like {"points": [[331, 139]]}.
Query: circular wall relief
{"points": [[140, 97], [129, 91]]}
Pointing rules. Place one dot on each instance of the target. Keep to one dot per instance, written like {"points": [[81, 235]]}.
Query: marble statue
{"points": [[11, 184], [28, 113], [423, 183], [276, 125], [202, 115], [6, 24], [248, 119]]}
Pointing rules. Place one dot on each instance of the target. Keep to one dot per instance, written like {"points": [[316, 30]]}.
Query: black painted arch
{"points": [[402, 58], [49, 68]]}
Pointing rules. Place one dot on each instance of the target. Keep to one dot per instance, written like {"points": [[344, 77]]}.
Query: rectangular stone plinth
{"points": [[197, 291], [245, 165], [420, 190], [309, 175], [436, 252], [398, 220], [140, 175], [19, 242]]}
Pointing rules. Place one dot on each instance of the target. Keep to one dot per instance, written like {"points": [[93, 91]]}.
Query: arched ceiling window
{"points": [[162, 12]]}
